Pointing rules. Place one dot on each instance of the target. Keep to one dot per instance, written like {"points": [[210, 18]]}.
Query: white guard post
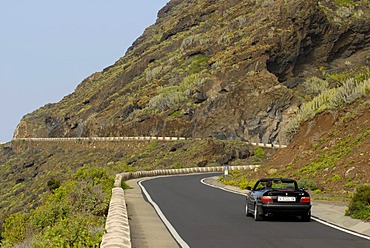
{"points": [[226, 170]]}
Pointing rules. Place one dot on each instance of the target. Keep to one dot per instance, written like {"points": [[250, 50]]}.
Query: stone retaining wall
{"points": [[117, 224]]}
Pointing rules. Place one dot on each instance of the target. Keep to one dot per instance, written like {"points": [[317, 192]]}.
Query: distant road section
{"points": [[136, 138], [209, 217]]}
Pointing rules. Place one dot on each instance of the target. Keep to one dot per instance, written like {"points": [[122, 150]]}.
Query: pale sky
{"points": [[47, 47]]}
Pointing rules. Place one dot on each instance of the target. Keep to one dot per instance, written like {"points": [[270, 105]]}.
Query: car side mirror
{"points": [[249, 188]]}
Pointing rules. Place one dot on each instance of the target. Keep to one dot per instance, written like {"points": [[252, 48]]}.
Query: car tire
{"points": [[247, 211], [306, 217], [257, 215]]}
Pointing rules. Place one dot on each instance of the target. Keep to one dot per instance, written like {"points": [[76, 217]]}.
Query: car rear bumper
{"points": [[294, 209]]}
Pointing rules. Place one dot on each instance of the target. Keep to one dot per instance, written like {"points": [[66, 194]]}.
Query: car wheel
{"points": [[257, 215], [306, 217], [247, 211]]}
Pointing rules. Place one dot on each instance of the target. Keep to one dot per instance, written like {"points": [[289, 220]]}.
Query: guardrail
{"points": [[117, 225], [266, 145], [137, 138], [103, 138]]}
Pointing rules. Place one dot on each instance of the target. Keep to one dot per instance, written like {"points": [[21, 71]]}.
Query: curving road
{"points": [[207, 217]]}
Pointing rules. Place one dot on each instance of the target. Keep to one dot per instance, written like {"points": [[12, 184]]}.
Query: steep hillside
{"points": [[331, 152], [222, 69]]}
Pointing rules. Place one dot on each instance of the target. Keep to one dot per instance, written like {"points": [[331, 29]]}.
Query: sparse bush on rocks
{"points": [[359, 207], [330, 99]]}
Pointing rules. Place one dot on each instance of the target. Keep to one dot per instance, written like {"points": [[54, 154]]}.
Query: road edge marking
{"points": [[364, 236], [171, 229]]}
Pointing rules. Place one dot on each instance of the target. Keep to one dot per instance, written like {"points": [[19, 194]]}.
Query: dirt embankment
{"points": [[332, 150]]}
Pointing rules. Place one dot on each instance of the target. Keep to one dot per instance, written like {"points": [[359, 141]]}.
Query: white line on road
{"points": [[172, 230], [341, 228]]}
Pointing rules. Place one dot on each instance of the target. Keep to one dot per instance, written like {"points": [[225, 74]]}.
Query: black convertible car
{"points": [[277, 196]]}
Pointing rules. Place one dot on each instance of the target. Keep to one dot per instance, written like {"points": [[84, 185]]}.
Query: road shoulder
{"points": [[147, 229]]}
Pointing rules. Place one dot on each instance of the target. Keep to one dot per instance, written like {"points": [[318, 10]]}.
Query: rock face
{"points": [[222, 69]]}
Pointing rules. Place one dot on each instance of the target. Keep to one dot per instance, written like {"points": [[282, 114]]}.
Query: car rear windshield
{"points": [[283, 185], [276, 184]]}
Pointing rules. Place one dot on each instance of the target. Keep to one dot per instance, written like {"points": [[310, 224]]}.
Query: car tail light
{"points": [[305, 199], [266, 199]]}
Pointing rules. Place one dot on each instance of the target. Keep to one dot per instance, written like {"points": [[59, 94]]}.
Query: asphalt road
{"points": [[207, 217]]}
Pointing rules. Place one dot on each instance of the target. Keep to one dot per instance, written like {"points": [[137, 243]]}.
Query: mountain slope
{"points": [[222, 69]]}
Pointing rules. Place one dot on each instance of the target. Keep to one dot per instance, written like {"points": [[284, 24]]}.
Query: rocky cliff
{"points": [[223, 69]]}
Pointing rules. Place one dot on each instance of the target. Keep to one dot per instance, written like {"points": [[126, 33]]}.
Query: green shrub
{"points": [[174, 95], [335, 178], [238, 178], [124, 185], [16, 230], [244, 183], [168, 97], [53, 210], [72, 215], [190, 42], [176, 114], [259, 154], [152, 74], [199, 63], [75, 231], [53, 184], [344, 2], [95, 176], [317, 191], [307, 184], [315, 86], [177, 165], [359, 207]]}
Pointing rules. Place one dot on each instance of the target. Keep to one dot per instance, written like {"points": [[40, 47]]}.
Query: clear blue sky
{"points": [[47, 47]]}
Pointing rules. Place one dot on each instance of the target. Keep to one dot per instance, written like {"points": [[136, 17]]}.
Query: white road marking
{"points": [[341, 228], [172, 230]]}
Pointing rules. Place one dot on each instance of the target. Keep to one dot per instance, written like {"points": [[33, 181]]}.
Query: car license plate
{"points": [[286, 199]]}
